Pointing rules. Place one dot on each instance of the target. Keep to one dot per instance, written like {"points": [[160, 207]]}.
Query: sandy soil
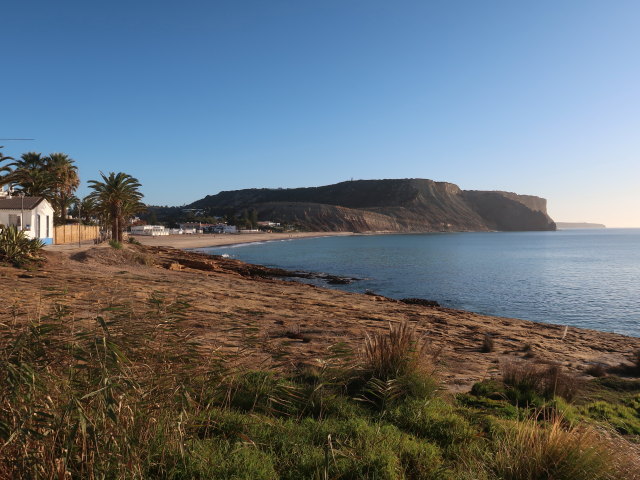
{"points": [[236, 306]]}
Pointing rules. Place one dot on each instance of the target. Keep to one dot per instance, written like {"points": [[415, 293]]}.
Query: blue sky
{"points": [[193, 97]]}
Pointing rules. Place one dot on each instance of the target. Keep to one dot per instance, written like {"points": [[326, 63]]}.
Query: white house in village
{"points": [[151, 230], [34, 215]]}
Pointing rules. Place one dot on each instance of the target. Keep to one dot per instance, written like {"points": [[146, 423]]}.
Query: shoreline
{"points": [[229, 239], [232, 302]]}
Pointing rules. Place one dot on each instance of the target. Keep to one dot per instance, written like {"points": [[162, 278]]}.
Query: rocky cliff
{"points": [[405, 205]]}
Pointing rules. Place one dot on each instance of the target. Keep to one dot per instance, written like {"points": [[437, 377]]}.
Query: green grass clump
{"points": [[625, 418], [348, 448], [115, 244], [498, 408], [437, 422]]}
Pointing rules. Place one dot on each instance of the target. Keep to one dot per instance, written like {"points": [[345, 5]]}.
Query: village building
{"points": [[223, 228], [149, 230], [33, 215]]}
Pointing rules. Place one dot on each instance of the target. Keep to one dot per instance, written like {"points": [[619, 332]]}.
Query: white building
{"points": [[34, 215], [150, 230], [224, 229]]}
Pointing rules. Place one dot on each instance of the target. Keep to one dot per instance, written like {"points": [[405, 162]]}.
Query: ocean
{"points": [[582, 278]]}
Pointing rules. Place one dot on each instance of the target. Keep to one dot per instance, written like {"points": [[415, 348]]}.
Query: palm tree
{"points": [[30, 175], [84, 209], [4, 169], [64, 180], [117, 198]]}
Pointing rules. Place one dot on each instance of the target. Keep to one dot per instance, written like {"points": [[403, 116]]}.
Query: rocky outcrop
{"points": [[401, 205]]}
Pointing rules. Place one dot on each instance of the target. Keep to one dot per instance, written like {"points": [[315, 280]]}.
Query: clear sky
{"points": [[194, 97]]}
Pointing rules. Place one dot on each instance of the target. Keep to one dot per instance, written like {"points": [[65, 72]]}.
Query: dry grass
{"points": [[397, 365], [528, 379], [488, 344], [398, 352], [527, 451]]}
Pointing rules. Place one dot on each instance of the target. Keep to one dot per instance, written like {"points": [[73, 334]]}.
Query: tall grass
{"points": [[398, 364], [532, 384], [528, 451]]}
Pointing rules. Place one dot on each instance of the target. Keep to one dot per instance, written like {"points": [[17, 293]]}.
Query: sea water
{"points": [[583, 278]]}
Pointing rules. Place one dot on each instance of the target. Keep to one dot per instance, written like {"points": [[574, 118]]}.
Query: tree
{"points": [[30, 175], [84, 209], [54, 177], [64, 181], [4, 169], [117, 198]]}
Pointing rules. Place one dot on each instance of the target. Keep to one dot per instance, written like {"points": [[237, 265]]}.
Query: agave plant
{"points": [[17, 248]]}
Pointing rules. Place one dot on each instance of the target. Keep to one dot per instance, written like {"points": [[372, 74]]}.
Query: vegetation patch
{"points": [[17, 249], [128, 394]]}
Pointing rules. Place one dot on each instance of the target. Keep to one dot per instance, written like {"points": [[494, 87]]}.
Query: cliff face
{"points": [[406, 205]]}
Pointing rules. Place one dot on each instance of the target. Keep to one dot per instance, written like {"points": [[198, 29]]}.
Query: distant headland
{"points": [[393, 205], [577, 225]]}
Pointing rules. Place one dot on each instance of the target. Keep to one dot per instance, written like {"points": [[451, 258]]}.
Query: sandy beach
{"points": [[217, 240]]}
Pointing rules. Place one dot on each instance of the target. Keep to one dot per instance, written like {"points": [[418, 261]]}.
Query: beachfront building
{"points": [[33, 215], [222, 228], [150, 230], [193, 227]]}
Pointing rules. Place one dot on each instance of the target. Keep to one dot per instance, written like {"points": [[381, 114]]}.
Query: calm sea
{"points": [[584, 278]]}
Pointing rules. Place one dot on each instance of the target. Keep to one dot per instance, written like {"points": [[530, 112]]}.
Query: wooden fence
{"points": [[69, 233]]}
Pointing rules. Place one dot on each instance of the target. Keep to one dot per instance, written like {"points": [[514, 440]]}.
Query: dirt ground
{"points": [[237, 306]]}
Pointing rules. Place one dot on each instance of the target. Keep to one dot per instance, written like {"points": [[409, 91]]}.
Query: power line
{"points": [[15, 139]]}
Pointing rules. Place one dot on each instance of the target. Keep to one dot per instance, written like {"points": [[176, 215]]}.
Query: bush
{"points": [[18, 249], [115, 244]]}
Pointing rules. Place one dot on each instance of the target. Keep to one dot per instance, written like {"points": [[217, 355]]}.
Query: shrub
{"points": [[115, 244], [16, 248]]}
